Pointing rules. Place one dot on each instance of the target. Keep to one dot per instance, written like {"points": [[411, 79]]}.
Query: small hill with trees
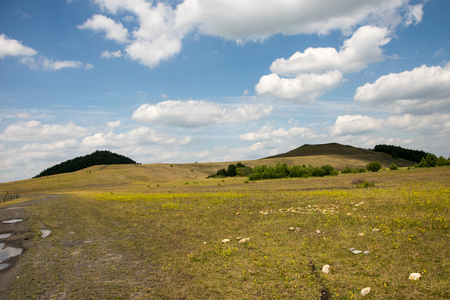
{"points": [[82, 162]]}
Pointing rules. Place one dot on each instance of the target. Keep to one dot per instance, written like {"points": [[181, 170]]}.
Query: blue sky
{"points": [[218, 80]]}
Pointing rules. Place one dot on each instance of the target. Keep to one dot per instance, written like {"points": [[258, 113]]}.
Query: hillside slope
{"points": [[343, 151]]}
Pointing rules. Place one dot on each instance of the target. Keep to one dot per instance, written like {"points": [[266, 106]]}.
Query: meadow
{"points": [[162, 239]]}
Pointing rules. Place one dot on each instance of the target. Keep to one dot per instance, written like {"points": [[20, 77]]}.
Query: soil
{"points": [[20, 238]]}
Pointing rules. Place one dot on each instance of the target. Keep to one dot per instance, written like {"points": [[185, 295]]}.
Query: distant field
{"points": [[155, 231]]}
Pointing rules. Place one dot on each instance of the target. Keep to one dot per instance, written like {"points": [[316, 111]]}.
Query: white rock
{"points": [[318, 231], [361, 234], [291, 228], [356, 251], [244, 240], [414, 276], [326, 269], [375, 230], [366, 252], [365, 291], [224, 241]]}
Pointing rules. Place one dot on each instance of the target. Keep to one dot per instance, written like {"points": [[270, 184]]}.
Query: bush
{"points": [[366, 184], [441, 161], [374, 166], [393, 167], [243, 171], [328, 169]]}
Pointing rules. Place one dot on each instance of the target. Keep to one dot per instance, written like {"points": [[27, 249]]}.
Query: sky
{"points": [[183, 81]]}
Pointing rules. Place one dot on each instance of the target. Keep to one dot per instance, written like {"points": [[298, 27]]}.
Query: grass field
{"points": [[118, 236]]}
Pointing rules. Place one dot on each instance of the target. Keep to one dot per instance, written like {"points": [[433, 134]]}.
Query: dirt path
{"points": [[16, 235]]}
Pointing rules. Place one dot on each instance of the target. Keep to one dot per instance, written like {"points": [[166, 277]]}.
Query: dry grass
{"points": [[130, 235]]}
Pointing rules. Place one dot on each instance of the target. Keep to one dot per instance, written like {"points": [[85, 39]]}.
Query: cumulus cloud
{"points": [[303, 88], [162, 27], [434, 123], [356, 53], [194, 113], [309, 74], [53, 146], [133, 138], [249, 20], [113, 30], [36, 131], [11, 47], [423, 90], [355, 124], [269, 133]]}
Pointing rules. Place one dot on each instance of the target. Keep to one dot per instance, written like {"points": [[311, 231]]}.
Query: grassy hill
{"points": [[344, 152], [103, 176]]}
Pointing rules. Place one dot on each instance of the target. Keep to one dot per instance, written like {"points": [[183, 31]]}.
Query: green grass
{"points": [[163, 239]]}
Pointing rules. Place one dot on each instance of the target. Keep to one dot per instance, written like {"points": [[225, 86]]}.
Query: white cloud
{"points": [[54, 65], [51, 65], [268, 133], [36, 131], [434, 123], [355, 124], [113, 124], [11, 47], [357, 52], [316, 70], [108, 54], [303, 88], [57, 145], [133, 138], [252, 20], [423, 90], [417, 132], [113, 30], [414, 14], [193, 113], [162, 26]]}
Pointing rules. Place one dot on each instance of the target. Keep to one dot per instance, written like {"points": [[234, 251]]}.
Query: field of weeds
{"points": [[184, 239]]}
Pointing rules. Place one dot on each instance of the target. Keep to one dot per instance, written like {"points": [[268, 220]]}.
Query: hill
{"points": [[335, 150], [82, 162]]}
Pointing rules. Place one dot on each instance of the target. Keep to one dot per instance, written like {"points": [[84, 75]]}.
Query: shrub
{"points": [[393, 167], [348, 170], [243, 171], [374, 166], [441, 161], [328, 169], [366, 184]]}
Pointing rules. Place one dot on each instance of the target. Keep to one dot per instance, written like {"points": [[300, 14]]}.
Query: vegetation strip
{"points": [[164, 240]]}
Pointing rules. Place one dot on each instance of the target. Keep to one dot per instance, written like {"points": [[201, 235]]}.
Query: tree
{"points": [[374, 166], [231, 170], [441, 161], [428, 161]]}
